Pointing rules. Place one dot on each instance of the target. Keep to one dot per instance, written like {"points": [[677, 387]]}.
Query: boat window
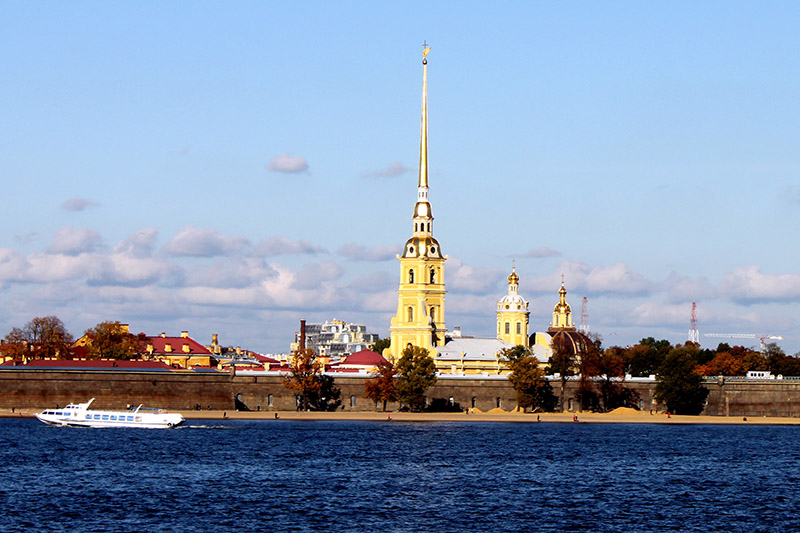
{"points": [[138, 418], [88, 417], [113, 417], [97, 417], [130, 419], [105, 417], [59, 413]]}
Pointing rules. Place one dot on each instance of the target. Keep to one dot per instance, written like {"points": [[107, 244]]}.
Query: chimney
{"points": [[163, 335], [302, 335], [457, 331], [214, 340], [184, 334]]}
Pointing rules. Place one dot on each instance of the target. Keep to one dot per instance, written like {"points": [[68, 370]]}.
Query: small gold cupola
{"points": [[562, 312]]}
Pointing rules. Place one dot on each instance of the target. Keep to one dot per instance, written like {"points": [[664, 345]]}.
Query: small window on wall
{"points": [[269, 400], [411, 276], [498, 402], [433, 314], [519, 328], [508, 328], [410, 314], [474, 402], [433, 276], [352, 401]]}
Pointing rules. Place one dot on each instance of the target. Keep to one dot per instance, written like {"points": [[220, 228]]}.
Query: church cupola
{"points": [[562, 312], [513, 315]]}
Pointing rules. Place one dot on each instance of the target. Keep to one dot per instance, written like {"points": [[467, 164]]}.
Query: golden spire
{"points": [[423, 134]]}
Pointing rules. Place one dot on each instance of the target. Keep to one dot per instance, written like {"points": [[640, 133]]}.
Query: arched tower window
{"points": [[411, 276], [410, 314], [433, 314], [433, 276]]}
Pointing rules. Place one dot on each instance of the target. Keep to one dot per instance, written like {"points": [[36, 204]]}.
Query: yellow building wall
{"points": [[417, 293]]}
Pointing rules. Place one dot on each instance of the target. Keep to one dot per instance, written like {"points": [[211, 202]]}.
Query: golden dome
{"points": [[513, 279]]}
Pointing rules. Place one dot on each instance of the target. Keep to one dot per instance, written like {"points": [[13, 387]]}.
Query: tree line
{"points": [[47, 338]]}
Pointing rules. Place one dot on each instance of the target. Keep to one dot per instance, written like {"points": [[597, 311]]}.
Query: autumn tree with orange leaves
{"points": [[381, 387]]}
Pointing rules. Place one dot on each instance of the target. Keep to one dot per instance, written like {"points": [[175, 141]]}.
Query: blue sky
{"points": [[232, 168]]}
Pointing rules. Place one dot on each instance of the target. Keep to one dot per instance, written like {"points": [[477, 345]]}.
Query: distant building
{"points": [[336, 339], [180, 351]]}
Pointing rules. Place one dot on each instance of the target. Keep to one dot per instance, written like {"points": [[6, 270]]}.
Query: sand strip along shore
{"points": [[618, 416]]}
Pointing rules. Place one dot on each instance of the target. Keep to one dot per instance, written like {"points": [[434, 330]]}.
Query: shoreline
{"points": [[619, 416]]}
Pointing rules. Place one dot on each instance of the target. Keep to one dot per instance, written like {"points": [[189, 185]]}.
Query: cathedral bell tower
{"points": [[513, 314], [420, 297]]}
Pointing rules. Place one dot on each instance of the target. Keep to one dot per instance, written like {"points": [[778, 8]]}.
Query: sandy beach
{"points": [[618, 416]]}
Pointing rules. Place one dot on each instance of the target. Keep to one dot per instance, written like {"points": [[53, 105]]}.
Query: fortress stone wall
{"points": [[26, 388]]}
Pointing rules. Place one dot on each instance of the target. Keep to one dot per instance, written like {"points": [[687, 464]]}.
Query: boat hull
{"points": [[79, 415]]}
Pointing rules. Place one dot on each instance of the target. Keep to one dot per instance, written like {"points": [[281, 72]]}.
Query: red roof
{"points": [[89, 363], [365, 358], [176, 343], [264, 358]]}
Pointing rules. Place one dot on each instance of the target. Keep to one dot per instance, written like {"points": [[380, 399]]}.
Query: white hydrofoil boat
{"points": [[81, 415]]}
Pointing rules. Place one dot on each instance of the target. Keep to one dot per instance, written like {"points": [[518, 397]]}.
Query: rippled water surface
{"points": [[280, 475]]}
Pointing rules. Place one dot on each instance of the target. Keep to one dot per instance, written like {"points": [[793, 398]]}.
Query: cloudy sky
{"points": [[231, 168]]}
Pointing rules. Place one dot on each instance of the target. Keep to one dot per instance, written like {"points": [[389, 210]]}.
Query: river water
{"points": [[281, 475]]}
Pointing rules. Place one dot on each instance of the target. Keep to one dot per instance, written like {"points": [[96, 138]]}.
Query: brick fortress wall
{"points": [[186, 390]]}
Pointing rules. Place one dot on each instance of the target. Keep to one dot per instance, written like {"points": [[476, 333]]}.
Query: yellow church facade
{"points": [[420, 317]]}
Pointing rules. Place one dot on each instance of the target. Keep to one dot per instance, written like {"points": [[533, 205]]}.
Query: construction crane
{"points": [[762, 338]]}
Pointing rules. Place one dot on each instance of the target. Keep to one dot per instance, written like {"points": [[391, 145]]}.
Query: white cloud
{"points": [[684, 289], [13, 265], [283, 246], [541, 252], [747, 285], [315, 274], [139, 244], [78, 204], [465, 278], [616, 279], [74, 241], [653, 313], [232, 273], [358, 252], [204, 242], [287, 164], [394, 169], [126, 270]]}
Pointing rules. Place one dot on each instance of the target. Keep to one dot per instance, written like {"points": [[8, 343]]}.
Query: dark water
{"points": [[389, 476]]}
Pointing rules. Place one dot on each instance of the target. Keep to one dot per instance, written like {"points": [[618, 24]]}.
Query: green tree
{"points": [[781, 364], [680, 386], [531, 387], [645, 358], [380, 345], [327, 397], [43, 337], [381, 388], [111, 340], [416, 374]]}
